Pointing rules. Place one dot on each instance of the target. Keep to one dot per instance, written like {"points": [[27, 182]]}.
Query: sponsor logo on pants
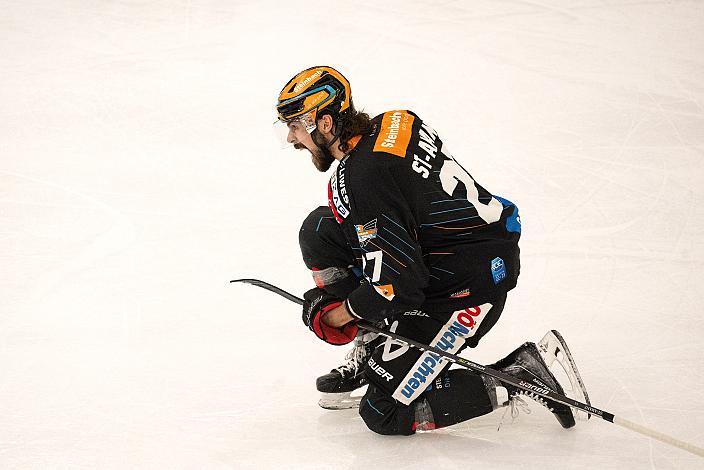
{"points": [[462, 324]]}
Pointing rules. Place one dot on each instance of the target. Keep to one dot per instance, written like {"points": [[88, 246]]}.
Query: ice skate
{"points": [[553, 349], [527, 364], [336, 387]]}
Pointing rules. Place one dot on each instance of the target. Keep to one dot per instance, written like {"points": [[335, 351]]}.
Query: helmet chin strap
{"points": [[327, 145], [337, 136]]}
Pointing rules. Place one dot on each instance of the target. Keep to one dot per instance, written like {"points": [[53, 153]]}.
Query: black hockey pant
{"points": [[408, 387]]}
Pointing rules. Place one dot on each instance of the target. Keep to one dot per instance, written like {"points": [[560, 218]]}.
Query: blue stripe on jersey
{"points": [[394, 247], [394, 222], [450, 221], [400, 239], [452, 210], [320, 221], [440, 269], [384, 263], [449, 200]]}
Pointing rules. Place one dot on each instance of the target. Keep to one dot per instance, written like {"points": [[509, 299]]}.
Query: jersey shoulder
{"points": [[393, 137], [393, 132]]}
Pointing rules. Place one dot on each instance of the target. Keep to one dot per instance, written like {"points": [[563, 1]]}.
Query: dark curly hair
{"points": [[352, 124], [349, 124]]}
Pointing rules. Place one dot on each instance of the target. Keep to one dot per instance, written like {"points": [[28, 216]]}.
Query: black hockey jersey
{"points": [[427, 234]]}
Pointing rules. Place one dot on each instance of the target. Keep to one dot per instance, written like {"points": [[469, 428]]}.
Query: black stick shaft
{"points": [[506, 378]]}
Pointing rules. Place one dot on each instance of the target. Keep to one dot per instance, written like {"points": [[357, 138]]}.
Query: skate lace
{"points": [[515, 405], [354, 358]]}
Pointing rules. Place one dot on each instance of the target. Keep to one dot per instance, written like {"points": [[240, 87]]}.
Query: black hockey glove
{"points": [[316, 304]]}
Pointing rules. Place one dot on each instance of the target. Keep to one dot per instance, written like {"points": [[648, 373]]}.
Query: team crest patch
{"points": [[366, 232]]}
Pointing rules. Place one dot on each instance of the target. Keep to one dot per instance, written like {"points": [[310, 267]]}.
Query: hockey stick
{"points": [[506, 378]]}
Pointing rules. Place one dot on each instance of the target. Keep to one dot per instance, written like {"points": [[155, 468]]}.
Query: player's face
{"points": [[303, 140]]}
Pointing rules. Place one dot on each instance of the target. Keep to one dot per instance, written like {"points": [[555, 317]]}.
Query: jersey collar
{"points": [[354, 141]]}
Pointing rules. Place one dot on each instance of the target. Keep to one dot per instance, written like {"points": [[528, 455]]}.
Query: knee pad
{"points": [[455, 396], [384, 415]]}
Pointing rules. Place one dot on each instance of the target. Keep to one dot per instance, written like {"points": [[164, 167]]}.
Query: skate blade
{"points": [[338, 401], [553, 348]]}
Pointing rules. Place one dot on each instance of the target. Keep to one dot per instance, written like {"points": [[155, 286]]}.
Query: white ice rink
{"points": [[139, 174]]}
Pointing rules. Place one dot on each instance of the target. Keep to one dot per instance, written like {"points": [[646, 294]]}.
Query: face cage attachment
{"points": [[294, 130]]}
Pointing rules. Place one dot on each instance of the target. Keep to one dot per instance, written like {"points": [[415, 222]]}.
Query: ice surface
{"points": [[139, 174]]}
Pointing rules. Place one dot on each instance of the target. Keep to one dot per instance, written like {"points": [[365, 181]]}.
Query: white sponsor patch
{"points": [[462, 324], [336, 199]]}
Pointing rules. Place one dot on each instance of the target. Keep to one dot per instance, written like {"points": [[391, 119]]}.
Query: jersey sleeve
{"points": [[386, 229]]}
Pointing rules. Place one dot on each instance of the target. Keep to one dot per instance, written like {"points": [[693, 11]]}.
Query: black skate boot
{"points": [[526, 363], [336, 387]]}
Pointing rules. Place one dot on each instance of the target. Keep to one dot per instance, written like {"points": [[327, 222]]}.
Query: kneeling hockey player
{"points": [[411, 242]]}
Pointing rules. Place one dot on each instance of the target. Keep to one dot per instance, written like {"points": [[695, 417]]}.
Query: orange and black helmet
{"points": [[314, 91]]}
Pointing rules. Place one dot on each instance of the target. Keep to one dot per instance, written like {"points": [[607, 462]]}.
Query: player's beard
{"points": [[321, 156]]}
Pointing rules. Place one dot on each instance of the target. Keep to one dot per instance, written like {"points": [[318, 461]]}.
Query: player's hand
{"points": [[317, 303]]}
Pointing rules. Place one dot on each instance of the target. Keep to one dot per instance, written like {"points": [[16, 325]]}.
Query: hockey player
{"points": [[438, 254]]}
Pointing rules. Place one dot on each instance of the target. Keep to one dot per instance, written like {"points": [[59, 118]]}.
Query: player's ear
{"points": [[325, 123]]}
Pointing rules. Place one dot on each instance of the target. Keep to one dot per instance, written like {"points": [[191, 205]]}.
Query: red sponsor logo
{"points": [[466, 317], [460, 294]]}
